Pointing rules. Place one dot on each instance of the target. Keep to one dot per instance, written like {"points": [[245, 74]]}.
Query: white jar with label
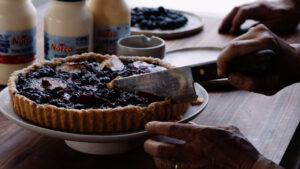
{"points": [[68, 29], [17, 36], [111, 22]]}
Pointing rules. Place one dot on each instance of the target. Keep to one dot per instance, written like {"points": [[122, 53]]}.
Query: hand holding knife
{"points": [[178, 83]]}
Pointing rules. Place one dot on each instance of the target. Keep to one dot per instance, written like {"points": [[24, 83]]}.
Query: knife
{"points": [[178, 83]]}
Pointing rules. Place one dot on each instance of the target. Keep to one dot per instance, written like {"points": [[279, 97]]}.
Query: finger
{"points": [[247, 12], [271, 24], [163, 150], [263, 39], [184, 132], [193, 123], [276, 26], [247, 36], [242, 82], [235, 49], [265, 85], [254, 32], [232, 129], [162, 163], [227, 21]]}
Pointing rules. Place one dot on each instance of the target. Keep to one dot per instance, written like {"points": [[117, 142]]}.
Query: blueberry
{"points": [[161, 9], [154, 25], [21, 80], [133, 22], [163, 25], [152, 17], [149, 25], [155, 12], [93, 80], [101, 85], [113, 95], [54, 101], [73, 98], [45, 99], [84, 80], [185, 19], [133, 12], [155, 63], [100, 74], [44, 71], [134, 17], [104, 79], [140, 18], [75, 76], [144, 23], [57, 92], [129, 61], [160, 18], [60, 104], [28, 89]]}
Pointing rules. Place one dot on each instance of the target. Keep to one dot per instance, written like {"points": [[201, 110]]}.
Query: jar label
{"points": [[61, 47], [106, 37], [17, 47]]}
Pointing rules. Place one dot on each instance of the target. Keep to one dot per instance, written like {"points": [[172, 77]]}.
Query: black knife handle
{"points": [[205, 71], [255, 64]]}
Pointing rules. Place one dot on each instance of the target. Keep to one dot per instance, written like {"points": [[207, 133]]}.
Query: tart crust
{"points": [[92, 120]]}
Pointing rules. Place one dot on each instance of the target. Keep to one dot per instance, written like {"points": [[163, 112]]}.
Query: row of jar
{"points": [[70, 27]]}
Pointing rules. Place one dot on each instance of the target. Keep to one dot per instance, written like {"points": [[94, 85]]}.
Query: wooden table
{"points": [[268, 122]]}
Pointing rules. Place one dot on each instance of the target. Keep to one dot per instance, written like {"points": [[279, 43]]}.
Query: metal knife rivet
{"points": [[202, 72]]}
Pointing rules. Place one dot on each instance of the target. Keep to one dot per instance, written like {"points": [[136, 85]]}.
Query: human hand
{"points": [[205, 147], [277, 16], [285, 69]]}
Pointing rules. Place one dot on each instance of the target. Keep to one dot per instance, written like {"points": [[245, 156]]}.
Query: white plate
{"points": [[96, 143], [194, 25]]}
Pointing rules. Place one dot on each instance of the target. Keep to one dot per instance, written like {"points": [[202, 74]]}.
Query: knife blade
{"points": [[178, 83]]}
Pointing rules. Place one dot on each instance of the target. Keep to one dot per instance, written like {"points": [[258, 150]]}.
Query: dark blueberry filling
{"points": [[82, 89], [157, 18]]}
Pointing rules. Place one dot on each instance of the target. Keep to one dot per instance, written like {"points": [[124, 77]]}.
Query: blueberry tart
{"points": [[71, 94]]}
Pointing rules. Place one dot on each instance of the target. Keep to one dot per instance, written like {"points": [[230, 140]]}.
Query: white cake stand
{"points": [[106, 144]]}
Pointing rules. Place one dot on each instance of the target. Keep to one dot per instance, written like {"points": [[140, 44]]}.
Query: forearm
{"points": [[296, 3], [264, 163], [295, 62]]}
